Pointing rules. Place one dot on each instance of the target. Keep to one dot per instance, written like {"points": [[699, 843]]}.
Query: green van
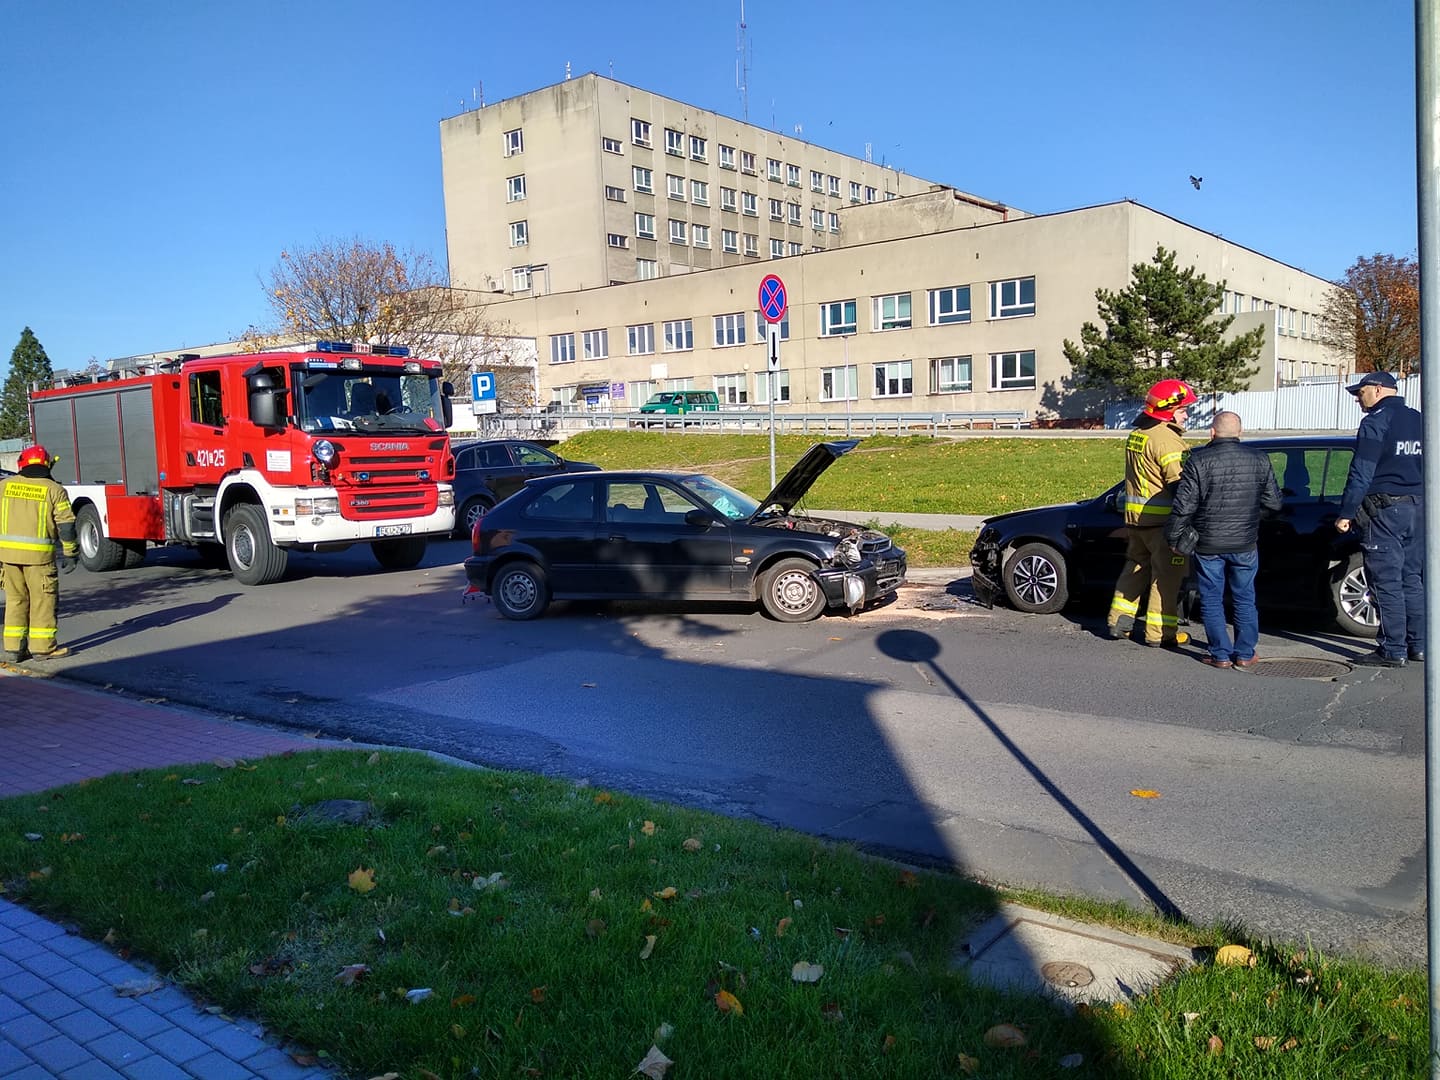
{"points": [[682, 401]]}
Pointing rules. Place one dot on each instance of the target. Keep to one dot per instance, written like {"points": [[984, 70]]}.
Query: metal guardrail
{"points": [[758, 420]]}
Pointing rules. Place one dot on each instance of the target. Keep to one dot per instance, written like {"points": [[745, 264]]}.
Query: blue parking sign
{"points": [[482, 392]]}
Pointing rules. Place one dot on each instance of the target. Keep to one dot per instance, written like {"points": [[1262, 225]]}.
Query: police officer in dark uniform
{"points": [[1384, 497]]}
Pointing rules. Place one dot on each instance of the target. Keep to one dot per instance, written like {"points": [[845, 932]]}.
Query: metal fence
{"points": [[1317, 405], [755, 420]]}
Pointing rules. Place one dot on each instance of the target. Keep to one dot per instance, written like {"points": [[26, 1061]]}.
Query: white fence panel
{"points": [[1322, 405]]}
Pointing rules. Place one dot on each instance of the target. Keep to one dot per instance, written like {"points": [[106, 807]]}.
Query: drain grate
{"points": [[1067, 973], [1297, 667]]}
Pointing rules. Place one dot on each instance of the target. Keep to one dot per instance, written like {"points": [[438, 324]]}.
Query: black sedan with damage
{"points": [[679, 536]]}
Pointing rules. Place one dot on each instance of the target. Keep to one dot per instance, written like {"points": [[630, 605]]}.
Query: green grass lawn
{"points": [[492, 924]]}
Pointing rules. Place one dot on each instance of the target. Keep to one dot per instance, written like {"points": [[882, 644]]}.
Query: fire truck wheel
{"points": [[98, 553], [399, 554], [134, 553], [253, 559]]}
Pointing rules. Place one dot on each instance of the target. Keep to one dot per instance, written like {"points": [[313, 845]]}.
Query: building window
{"points": [[817, 181], [817, 220], [617, 240], [752, 245], [644, 180], [794, 247], [640, 132], [611, 146], [640, 339], [640, 391], [730, 329], [889, 196], [614, 194], [1290, 322], [792, 175], [645, 226], [699, 192], [792, 213], [772, 168], [679, 336], [731, 389], [1013, 298], [679, 384], [893, 379], [839, 383], [515, 188], [950, 305], [562, 348], [777, 249], [854, 191], [747, 162], [697, 148], [1012, 370], [727, 198], [677, 231], [727, 156], [777, 210], [834, 222], [749, 204], [700, 235], [762, 328], [762, 387], [892, 312], [869, 194], [951, 375], [837, 318], [674, 142], [596, 344], [730, 241], [833, 183], [645, 269], [519, 233], [520, 279], [675, 187], [514, 142]]}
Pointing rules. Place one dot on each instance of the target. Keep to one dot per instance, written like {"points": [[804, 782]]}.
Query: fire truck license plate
{"points": [[392, 530]]}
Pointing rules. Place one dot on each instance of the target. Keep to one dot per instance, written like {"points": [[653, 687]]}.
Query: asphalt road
{"points": [[1005, 745]]}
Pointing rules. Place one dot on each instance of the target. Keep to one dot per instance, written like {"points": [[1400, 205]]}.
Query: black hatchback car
{"points": [[679, 536], [489, 470], [1041, 559]]}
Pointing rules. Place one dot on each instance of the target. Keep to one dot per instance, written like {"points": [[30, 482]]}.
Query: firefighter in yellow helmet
{"points": [[35, 521], [1154, 454]]}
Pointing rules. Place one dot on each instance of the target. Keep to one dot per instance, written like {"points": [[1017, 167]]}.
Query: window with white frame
{"points": [[749, 204], [728, 198], [596, 344], [645, 226], [817, 220], [762, 328], [1235, 300], [520, 279], [747, 162], [1012, 299], [731, 389], [839, 383], [617, 240], [700, 235], [854, 191], [727, 156], [832, 184], [562, 348], [777, 249], [680, 384], [893, 379], [777, 210], [644, 179], [951, 375], [1290, 322], [514, 142], [645, 269], [837, 317], [675, 186], [519, 233], [950, 305], [640, 132], [889, 196], [1012, 370], [730, 241], [674, 142], [640, 339], [792, 213], [794, 247], [611, 146], [677, 231], [869, 194], [699, 192], [730, 329], [817, 181], [834, 222], [697, 148], [515, 188], [679, 336], [762, 386], [772, 168], [792, 175], [891, 312], [752, 244], [614, 194], [641, 389]]}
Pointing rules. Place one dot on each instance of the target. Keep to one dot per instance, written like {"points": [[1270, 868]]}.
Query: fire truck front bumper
{"points": [[311, 524]]}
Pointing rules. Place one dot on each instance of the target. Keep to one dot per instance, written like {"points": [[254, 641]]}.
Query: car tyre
{"points": [[790, 593], [1356, 612], [471, 512], [399, 554], [98, 553], [520, 591], [1035, 579]]}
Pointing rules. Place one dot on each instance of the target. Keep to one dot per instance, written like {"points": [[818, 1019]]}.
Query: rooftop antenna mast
{"points": [[742, 65]]}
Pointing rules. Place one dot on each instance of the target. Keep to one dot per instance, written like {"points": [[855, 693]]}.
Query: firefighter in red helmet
{"points": [[1154, 454], [36, 526]]}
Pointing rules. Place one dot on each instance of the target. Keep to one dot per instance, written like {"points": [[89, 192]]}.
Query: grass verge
{"points": [[561, 931]]}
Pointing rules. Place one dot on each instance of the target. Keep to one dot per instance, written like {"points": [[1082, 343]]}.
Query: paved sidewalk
{"points": [[60, 1012]]}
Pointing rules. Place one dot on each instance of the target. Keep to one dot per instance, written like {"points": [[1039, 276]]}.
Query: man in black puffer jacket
{"points": [[1224, 488]]}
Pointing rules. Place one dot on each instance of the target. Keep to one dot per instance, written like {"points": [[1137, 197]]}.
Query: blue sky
{"points": [[159, 155]]}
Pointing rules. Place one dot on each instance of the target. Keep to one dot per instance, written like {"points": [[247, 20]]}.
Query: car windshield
{"points": [[735, 505]]}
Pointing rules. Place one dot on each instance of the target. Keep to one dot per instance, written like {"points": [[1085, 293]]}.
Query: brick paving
{"points": [[60, 1014]]}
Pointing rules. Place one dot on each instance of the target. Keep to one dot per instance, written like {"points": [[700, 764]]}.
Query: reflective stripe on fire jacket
{"points": [[1154, 457], [31, 511]]}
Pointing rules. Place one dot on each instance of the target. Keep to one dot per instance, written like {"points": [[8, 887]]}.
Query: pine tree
{"points": [[1163, 325], [28, 366]]}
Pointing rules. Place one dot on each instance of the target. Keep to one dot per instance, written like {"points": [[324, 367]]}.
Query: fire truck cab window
{"points": [[205, 401]]}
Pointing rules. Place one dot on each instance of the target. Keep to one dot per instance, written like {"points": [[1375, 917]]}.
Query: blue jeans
{"points": [[1212, 574], [1394, 553]]}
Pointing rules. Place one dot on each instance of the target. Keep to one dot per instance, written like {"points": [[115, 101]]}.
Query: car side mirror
{"points": [[699, 518]]}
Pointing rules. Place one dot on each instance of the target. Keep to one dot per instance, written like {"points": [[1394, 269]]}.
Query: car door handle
{"points": [[615, 537]]}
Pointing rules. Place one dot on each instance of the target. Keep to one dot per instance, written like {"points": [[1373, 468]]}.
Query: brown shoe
{"points": [[1210, 661], [54, 654], [1247, 665]]}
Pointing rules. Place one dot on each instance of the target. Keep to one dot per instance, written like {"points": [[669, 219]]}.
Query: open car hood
{"points": [[802, 476]]}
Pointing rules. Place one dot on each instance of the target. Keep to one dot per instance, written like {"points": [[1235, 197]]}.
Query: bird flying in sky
{"points": [[1197, 180]]}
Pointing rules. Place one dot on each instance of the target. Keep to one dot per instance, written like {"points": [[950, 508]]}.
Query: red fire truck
{"points": [[249, 457]]}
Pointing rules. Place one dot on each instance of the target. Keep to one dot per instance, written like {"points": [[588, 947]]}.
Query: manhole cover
{"points": [[1296, 667], [1067, 973]]}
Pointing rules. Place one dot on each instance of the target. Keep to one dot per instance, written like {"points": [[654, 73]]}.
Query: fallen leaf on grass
{"points": [[191, 781], [350, 973], [418, 995], [223, 762], [602, 797], [462, 1001], [1215, 1045], [650, 940], [305, 1061], [33, 836], [831, 1011], [457, 1030], [594, 928], [648, 828], [1290, 1043], [1002, 1035], [1264, 1042], [654, 1064], [373, 759], [361, 879], [782, 926], [41, 874], [907, 879], [663, 1032], [1235, 955], [438, 849], [1144, 793], [888, 1044], [494, 881], [667, 893], [967, 1063], [71, 837], [1189, 1018], [138, 987], [728, 1002], [804, 972], [691, 844]]}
